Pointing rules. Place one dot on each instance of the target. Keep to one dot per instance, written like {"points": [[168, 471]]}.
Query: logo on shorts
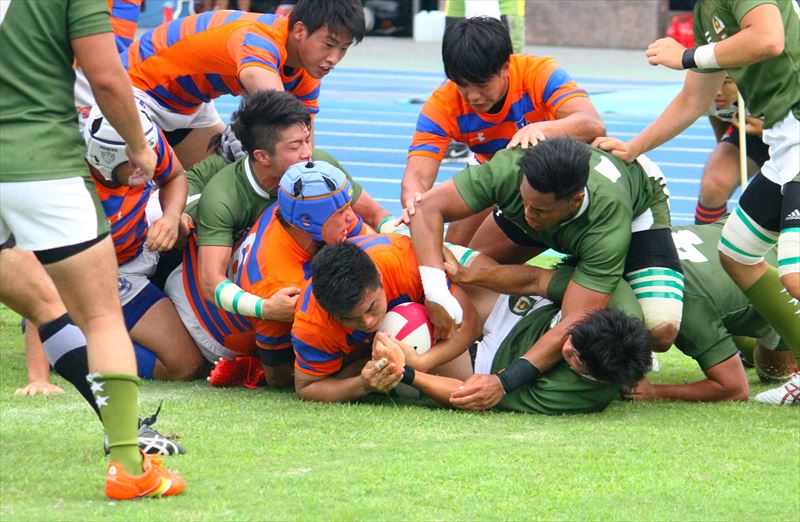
{"points": [[794, 215], [520, 305], [123, 286]]}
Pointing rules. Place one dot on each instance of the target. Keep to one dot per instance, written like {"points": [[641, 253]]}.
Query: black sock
{"points": [[65, 346]]}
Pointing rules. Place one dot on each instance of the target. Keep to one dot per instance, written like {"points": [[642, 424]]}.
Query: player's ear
{"points": [[261, 156], [299, 30]]}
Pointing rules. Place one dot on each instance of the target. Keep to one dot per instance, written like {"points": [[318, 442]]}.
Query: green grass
{"points": [[256, 455]]}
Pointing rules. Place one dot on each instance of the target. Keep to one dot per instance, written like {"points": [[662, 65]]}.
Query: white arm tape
{"points": [[387, 226], [434, 282], [230, 297], [705, 58]]}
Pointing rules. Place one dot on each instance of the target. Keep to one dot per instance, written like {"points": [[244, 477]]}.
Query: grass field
{"points": [[263, 455]]}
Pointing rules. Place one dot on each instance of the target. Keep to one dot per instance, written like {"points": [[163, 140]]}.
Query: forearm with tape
{"points": [[434, 282], [232, 298]]}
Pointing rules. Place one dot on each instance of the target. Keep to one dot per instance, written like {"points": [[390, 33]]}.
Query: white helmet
{"points": [[105, 148]]}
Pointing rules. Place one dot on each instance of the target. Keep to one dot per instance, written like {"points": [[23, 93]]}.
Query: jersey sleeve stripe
{"points": [[122, 45], [160, 91], [289, 86], [425, 147], [253, 59], [267, 19], [269, 340], [569, 94], [310, 354], [313, 95], [425, 124], [174, 32], [373, 241], [557, 79]]}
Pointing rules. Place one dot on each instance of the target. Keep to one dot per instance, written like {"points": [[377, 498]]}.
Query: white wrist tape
{"points": [[230, 297], [387, 226], [434, 282], [705, 58]]}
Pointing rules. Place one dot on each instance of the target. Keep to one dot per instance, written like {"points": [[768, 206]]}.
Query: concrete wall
{"points": [[630, 24]]}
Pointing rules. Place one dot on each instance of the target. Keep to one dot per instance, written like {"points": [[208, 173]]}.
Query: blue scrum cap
{"points": [[309, 193]]}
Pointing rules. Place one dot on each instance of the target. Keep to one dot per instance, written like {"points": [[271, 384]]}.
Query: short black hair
{"points": [[614, 346], [263, 116], [341, 275], [475, 49], [340, 16], [557, 166]]}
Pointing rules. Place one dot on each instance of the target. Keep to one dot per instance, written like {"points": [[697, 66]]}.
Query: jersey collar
{"points": [[248, 172], [582, 210]]}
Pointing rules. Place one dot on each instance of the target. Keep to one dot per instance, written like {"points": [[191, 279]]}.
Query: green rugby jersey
{"points": [[599, 235], [39, 136], [560, 389], [771, 87]]}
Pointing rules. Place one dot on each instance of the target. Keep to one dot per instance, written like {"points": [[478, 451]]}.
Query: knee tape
{"points": [[789, 251], [464, 255], [744, 240], [659, 291]]}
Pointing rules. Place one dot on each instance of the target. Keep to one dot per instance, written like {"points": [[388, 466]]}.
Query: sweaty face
{"points": [[571, 357], [368, 315], [543, 211], [727, 94], [320, 51], [293, 147], [483, 96], [339, 224]]}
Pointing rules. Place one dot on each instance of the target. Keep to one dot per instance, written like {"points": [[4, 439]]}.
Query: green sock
{"points": [[777, 307], [117, 396], [746, 345]]}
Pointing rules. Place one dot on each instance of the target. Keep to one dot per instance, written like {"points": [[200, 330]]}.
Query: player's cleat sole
{"points": [[787, 394], [155, 481], [244, 370]]}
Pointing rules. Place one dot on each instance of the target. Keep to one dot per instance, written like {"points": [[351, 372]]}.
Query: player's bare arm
{"points": [[331, 388], [420, 174], [257, 79], [112, 90], [576, 118], [504, 279], [369, 210], [481, 392], [443, 203], [761, 37], [172, 195], [691, 102]]}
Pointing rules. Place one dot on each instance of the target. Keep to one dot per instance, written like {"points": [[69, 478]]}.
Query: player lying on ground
{"points": [[492, 99], [562, 194], [353, 285], [314, 208], [179, 68], [274, 130], [714, 311]]}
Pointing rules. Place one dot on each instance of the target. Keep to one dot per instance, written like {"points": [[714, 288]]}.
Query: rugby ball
{"points": [[408, 322]]}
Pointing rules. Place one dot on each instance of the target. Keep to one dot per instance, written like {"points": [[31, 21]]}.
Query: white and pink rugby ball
{"points": [[408, 322]]}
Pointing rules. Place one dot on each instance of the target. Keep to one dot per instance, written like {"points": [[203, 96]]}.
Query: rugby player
{"points": [[758, 44]]}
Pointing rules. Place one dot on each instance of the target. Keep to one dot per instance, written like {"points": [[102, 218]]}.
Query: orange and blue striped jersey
{"points": [[268, 260], [320, 342], [232, 331], [537, 87], [190, 61], [124, 20], [125, 206]]}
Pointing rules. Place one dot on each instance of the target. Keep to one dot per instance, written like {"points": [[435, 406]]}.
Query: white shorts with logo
{"points": [[507, 312], [784, 150], [205, 116], [135, 275], [210, 348], [49, 214]]}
